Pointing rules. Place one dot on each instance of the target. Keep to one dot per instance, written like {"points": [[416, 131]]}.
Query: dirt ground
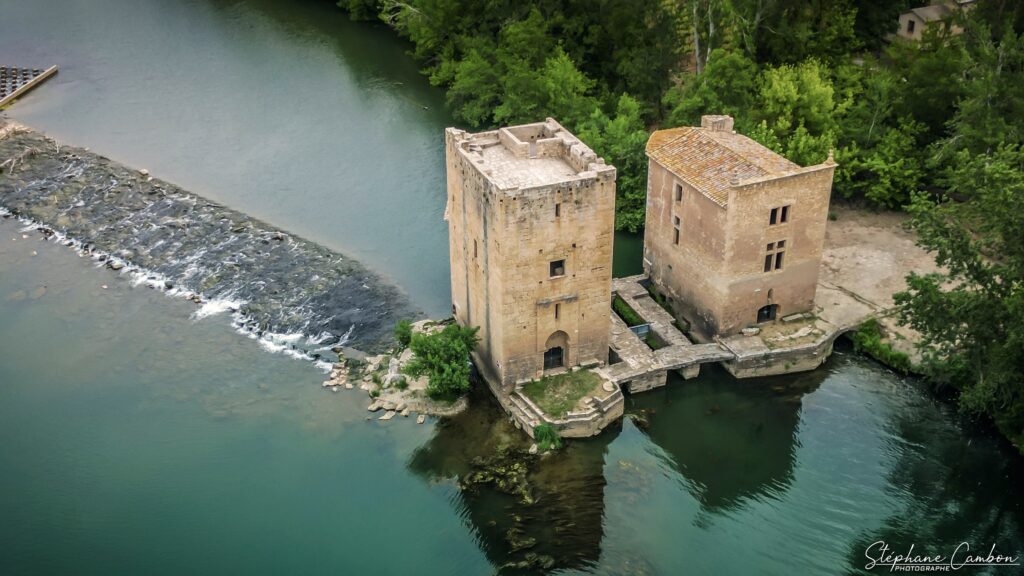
{"points": [[870, 253], [868, 256]]}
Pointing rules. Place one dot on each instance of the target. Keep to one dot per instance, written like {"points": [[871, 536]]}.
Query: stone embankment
{"points": [[294, 294]]}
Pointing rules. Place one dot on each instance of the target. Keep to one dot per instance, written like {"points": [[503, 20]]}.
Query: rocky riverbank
{"points": [[291, 293], [392, 393]]}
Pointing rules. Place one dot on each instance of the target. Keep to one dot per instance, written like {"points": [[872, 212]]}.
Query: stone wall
{"points": [[502, 244], [715, 275]]}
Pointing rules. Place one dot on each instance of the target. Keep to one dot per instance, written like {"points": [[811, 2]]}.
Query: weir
{"points": [[290, 292], [15, 82]]}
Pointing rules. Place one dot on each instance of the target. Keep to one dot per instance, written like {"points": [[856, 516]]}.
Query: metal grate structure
{"points": [[15, 82]]}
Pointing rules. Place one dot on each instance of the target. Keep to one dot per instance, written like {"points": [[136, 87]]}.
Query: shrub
{"points": [[444, 358], [403, 333], [628, 315], [868, 340], [547, 437]]}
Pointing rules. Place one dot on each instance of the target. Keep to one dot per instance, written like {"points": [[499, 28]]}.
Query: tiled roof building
{"points": [[734, 231]]}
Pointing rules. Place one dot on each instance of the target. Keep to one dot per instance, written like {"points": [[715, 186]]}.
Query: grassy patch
{"points": [[626, 312], [653, 341], [868, 340], [556, 395]]}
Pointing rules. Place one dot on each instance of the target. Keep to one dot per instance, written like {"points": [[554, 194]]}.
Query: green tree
{"points": [[403, 333], [790, 96], [621, 141], [991, 111], [802, 29], [971, 317], [929, 77], [726, 86], [887, 173], [558, 89], [444, 358]]}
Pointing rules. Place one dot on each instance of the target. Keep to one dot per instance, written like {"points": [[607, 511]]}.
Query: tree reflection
{"points": [[948, 484]]}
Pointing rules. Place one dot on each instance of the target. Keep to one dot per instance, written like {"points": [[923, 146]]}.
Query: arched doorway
{"points": [[767, 313], [555, 350]]}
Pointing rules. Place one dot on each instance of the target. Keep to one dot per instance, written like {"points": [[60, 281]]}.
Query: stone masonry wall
{"points": [[687, 272], [533, 237], [715, 275], [501, 245], [792, 288]]}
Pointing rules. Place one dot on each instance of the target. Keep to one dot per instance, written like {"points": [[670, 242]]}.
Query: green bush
{"points": [[628, 315], [444, 358], [547, 437], [868, 340], [403, 333]]}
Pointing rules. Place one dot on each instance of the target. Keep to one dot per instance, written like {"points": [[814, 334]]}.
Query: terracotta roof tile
{"points": [[709, 160]]}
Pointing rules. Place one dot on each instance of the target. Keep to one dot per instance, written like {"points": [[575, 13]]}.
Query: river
{"points": [[140, 439]]}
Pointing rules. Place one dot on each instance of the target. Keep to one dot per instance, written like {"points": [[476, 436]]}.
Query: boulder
{"points": [[405, 357], [374, 406], [387, 415]]}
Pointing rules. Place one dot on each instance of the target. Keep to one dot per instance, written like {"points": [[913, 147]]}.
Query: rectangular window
{"points": [[910, 26], [778, 215], [558, 210], [557, 268], [558, 310], [774, 252], [679, 193], [474, 249], [675, 229]]}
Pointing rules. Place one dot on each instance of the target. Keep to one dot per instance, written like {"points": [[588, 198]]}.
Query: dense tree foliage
{"points": [[444, 358], [972, 317], [911, 124]]}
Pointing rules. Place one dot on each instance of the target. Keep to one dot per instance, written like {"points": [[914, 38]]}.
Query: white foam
{"points": [[272, 342], [217, 306]]}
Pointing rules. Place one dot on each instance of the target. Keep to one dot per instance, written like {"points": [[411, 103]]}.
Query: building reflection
{"points": [[530, 513], [732, 440]]}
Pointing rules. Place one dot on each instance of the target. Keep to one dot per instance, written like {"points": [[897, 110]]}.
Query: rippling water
{"points": [[138, 438]]}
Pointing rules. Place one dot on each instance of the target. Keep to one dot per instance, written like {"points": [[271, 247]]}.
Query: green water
{"points": [[136, 440]]}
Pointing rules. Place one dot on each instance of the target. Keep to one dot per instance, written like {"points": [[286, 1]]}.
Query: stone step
{"points": [[523, 406]]}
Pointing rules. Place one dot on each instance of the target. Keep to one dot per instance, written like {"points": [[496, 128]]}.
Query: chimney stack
{"points": [[716, 123]]}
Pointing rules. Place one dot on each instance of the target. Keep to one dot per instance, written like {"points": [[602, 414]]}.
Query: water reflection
{"points": [[944, 491], [529, 512], [730, 440]]}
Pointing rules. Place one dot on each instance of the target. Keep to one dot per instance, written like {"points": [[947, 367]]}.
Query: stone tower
{"points": [[530, 214], [734, 232]]}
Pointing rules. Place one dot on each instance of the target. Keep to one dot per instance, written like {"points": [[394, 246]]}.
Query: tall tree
{"points": [[991, 111], [971, 317]]}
